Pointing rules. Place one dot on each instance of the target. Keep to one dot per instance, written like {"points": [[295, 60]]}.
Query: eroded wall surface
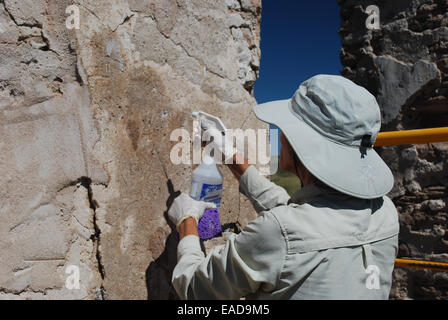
{"points": [[405, 65], [85, 122]]}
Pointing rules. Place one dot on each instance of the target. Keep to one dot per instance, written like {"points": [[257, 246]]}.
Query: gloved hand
{"points": [[223, 146], [220, 140], [184, 207]]}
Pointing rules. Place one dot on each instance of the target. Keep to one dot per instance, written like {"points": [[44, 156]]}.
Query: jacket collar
{"points": [[311, 191]]}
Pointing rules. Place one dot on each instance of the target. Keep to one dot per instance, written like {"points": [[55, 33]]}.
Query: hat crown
{"points": [[339, 109]]}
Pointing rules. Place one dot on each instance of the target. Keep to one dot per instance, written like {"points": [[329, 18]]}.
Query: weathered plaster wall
{"points": [[405, 65], [85, 123]]}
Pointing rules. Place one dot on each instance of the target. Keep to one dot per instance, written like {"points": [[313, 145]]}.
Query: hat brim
{"points": [[344, 168]]}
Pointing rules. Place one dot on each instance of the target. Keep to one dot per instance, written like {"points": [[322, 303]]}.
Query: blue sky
{"points": [[299, 39]]}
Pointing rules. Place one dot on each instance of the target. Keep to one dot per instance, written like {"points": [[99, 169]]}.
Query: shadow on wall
{"points": [[159, 272]]}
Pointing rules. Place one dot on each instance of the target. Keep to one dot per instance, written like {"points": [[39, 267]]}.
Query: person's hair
{"points": [[296, 163]]}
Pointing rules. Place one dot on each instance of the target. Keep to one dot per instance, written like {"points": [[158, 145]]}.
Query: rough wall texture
{"points": [[405, 65], [85, 123]]}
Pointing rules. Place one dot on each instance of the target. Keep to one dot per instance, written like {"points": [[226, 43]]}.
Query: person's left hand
{"points": [[184, 207]]}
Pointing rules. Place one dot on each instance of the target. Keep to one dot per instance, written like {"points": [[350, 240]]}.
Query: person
{"points": [[335, 238]]}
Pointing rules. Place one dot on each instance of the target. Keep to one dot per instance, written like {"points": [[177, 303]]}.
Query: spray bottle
{"points": [[206, 184]]}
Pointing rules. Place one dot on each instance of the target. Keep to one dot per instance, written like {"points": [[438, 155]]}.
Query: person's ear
{"points": [[286, 156]]}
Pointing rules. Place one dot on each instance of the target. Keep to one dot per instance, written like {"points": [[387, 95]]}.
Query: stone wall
{"points": [[405, 65], [85, 123]]}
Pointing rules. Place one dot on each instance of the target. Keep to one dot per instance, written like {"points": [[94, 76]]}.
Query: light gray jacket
{"points": [[319, 244]]}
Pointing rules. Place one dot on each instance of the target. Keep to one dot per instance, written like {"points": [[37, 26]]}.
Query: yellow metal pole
{"points": [[420, 264], [420, 136], [393, 138]]}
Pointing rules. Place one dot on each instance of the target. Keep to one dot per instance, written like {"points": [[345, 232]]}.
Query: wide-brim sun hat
{"points": [[332, 124]]}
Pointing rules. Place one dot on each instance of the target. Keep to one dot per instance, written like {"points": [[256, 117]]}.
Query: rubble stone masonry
{"points": [[405, 65]]}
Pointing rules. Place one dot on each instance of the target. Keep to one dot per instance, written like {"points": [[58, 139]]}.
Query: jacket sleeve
{"points": [[262, 193], [247, 262]]}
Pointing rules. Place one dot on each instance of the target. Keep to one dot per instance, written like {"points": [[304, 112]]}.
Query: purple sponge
{"points": [[210, 225]]}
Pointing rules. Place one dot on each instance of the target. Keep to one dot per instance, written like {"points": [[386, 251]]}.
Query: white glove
{"points": [[220, 140], [223, 146], [185, 207]]}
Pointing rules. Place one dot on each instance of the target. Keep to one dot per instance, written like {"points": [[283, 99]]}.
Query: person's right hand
{"points": [[239, 165], [223, 147]]}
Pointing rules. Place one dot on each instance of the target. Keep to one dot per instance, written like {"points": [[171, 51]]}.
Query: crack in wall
{"points": [[86, 182], [126, 19], [25, 290], [162, 165], [46, 41], [247, 85], [90, 11], [24, 24], [182, 47], [47, 44]]}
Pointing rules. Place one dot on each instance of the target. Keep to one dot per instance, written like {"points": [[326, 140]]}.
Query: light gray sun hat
{"points": [[332, 124]]}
